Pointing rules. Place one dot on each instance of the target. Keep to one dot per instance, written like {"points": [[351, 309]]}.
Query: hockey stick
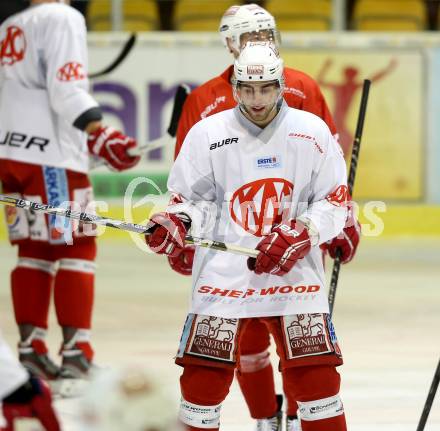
{"points": [[168, 139], [119, 224], [350, 183], [429, 399], [128, 46]]}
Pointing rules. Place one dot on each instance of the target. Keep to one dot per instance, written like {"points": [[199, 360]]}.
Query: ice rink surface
{"points": [[387, 318]]}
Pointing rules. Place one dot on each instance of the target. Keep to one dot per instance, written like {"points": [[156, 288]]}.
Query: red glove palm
{"points": [[280, 250], [167, 234], [347, 241], [183, 262], [114, 147], [32, 400]]}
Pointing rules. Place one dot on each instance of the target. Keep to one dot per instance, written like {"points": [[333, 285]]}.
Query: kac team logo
{"points": [[339, 197], [258, 205], [71, 71], [13, 46]]}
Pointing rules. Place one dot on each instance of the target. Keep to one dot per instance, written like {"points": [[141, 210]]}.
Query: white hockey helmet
{"points": [[248, 18], [257, 62]]}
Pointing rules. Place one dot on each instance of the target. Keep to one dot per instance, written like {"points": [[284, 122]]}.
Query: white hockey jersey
{"points": [[252, 178], [44, 87]]}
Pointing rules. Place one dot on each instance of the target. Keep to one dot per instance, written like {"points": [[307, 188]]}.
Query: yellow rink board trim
{"points": [[398, 220]]}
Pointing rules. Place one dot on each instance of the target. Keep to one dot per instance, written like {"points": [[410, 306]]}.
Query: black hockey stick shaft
{"points": [[350, 183], [429, 399], [119, 224], [179, 99], [128, 46]]}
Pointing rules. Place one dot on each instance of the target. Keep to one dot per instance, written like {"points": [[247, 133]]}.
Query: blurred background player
{"points": [[239, 25], [49, 124], [22, 396], [204, 173]]}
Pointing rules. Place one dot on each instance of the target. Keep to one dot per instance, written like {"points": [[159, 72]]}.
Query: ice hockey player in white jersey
{"points": [[271, 178], [22, 396], [49, 125]]}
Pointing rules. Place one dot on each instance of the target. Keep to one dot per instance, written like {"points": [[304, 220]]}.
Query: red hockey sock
{"points": [[258, 389], [292, 405], [31, 291], [204, 386], [317, 389], [74, 298]]}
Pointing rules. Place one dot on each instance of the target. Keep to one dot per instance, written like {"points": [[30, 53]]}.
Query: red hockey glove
{"points": [[280, 250], [167, 234], [347, 241], [32, 400], [114, 147], [183, 262]]}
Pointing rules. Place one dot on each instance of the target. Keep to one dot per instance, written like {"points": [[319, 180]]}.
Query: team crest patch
{"points": [[13, 46], [72, 71], [213, 338], [308, 335]]}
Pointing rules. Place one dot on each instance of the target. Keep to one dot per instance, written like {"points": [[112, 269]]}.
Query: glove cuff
{"points": [[311, 230], [97, 138]]}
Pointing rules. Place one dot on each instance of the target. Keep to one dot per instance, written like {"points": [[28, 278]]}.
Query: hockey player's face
{"points": [[258, 101]]}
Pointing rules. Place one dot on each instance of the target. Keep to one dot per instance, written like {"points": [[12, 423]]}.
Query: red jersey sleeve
{"points": [[312, 99], [190, 116], [211, 97]]}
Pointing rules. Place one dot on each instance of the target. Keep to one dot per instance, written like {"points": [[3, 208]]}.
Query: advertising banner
{"points": [[138, 97]]}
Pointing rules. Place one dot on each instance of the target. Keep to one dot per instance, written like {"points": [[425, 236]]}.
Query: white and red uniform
{"points": [[44, 87], [253, 178], [44, 157], [293, 168], [301, 92]]}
